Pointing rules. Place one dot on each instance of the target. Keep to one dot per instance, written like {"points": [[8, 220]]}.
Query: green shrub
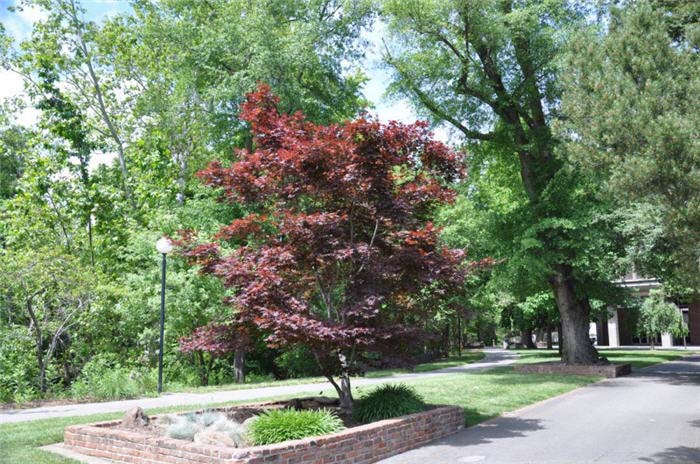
{"points": [[287, 424], [386, 402], [298, 362], [103, 378]]}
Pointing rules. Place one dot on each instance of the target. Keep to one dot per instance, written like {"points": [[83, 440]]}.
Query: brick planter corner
{"points": [[604, 370], [357, 445]]}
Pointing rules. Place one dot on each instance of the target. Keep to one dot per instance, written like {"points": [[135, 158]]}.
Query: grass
{"points": [[638, 358], [467, 357], [482, 395], [491, 393]]}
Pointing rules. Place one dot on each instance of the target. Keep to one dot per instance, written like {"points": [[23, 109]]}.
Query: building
{"points": [[620, 328]]}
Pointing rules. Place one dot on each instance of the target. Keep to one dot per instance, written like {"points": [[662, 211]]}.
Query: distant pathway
{"points": [[493, 358], [652, 416]]}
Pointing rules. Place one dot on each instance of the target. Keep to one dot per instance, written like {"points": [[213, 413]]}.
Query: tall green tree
{"points": [[191, 62], [659, 316], [488, 70], [632, 105]]}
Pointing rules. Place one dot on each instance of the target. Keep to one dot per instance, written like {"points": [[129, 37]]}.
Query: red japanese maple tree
{"points": [[340, 242]]}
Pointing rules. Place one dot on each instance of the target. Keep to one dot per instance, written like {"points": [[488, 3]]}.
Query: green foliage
{"points": [[280, 425], [18, 369], [657, 316], [297, 362], [103, 378], [632, 105], [489, 71], [387, 401]]}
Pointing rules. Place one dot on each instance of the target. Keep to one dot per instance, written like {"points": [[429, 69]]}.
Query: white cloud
{"points": [[388, 109], [11, 84], [32, 14]]}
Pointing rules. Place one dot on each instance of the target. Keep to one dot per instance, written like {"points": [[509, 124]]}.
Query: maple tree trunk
{"points": [[576, 347], [345, 393]]}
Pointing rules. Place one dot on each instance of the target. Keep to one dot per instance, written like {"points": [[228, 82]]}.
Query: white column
{"points": [[593, 332], [666, 340], [613, 329]]}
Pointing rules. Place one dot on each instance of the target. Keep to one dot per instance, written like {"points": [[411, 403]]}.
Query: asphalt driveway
{"points": [[652, 416]]}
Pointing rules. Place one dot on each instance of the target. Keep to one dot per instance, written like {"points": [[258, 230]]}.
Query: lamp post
{"points": [[164, 246]]}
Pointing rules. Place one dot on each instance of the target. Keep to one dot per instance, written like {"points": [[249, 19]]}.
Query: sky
{"points": [[18, 25]]}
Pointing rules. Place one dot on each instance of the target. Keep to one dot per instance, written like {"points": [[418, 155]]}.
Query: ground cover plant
{"points": [[288, 424], [386, 402]]}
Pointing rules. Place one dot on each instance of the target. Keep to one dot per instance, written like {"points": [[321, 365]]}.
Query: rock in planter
{"points": [[214, 437], [135, 418]]}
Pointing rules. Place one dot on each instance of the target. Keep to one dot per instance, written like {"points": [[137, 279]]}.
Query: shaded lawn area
{"points": [[638, 358], [481, 395], [467, 357]]}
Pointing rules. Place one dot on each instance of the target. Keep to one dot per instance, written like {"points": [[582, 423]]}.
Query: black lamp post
{"points": [[164, 246]]}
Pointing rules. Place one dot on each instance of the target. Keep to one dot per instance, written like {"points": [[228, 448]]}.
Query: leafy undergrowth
{"points": [[638, 358]]}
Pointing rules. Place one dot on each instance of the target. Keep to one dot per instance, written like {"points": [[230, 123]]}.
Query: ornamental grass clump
{"points": [[386, 402], [280, 425]]}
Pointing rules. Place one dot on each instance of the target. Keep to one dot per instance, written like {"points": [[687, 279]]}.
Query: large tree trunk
{"points": [[575, 317], [239, 366], [526, 339]]}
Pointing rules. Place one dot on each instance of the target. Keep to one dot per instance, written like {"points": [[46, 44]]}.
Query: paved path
{"points": [[492, 359], [652, 416]]}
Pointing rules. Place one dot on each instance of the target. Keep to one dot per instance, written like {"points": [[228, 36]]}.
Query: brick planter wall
{"points": [[609, 370], [357, 445]]}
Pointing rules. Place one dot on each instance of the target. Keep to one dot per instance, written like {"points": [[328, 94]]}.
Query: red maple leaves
{"points": [[339, 239]]}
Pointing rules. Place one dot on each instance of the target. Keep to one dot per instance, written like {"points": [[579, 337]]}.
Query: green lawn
{"points": [[638, 358], [467, 357], [481, 395]]}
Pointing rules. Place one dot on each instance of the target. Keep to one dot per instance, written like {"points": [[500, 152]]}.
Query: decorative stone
{"points": [[213, 437], [135, 418]]}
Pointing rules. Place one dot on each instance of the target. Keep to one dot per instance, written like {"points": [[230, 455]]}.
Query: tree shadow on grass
{"points": [[679, 454], [506, 376]]}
